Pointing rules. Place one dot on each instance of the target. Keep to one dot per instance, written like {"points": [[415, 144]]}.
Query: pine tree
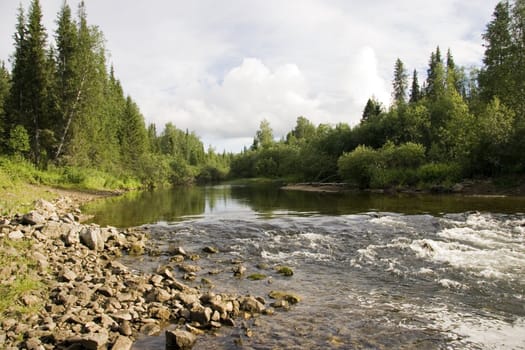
{"points": [[415, 91], [69, 81], [400, 83], [29, 101], [518, 53], [17, 98], [495, 78], [134, 137], [435, 85], [372, 109]]}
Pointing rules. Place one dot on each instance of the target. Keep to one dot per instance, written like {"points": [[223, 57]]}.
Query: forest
{"points": [[63, 111]]}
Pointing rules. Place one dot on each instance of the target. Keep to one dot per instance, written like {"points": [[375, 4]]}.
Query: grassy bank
{"points": [[21, 183]]}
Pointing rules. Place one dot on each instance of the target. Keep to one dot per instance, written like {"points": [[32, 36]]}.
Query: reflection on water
{"points": [[176, 204]]}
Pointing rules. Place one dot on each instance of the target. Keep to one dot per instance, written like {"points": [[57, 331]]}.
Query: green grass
{"points": [[19, 180], [17, 255]]}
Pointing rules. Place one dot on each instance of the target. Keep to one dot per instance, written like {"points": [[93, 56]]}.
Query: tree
{"points": [[415, 91], [37, 75], [400, 83], [304, 130], [518, 34], [69, 80], [134, 137], [5, 85], [435, 85], [264, 136], [373, 108], [496, 77]]}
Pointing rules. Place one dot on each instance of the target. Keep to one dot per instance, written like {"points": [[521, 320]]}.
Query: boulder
{"points": [[33, 218], [92, 238], [179, 340]]}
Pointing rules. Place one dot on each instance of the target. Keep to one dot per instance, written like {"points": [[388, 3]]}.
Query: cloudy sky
{"points": [[220, 67]]}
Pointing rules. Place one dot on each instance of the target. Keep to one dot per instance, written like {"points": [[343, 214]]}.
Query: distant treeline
{"points": [[62, 106], [458, 123]]}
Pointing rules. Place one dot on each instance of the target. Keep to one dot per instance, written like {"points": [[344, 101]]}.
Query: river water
{"points": [[373, 271]]}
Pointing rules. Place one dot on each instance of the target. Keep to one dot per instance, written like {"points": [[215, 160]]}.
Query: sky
{"points": [[219, 68]]}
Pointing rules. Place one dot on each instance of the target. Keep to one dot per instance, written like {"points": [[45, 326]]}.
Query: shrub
{"points": [[359, 165], [407, 155], [439, 173]]}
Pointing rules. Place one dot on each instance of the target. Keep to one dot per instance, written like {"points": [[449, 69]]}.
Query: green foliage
{"points": [[439, 173], [18, 140], [359, 165]]}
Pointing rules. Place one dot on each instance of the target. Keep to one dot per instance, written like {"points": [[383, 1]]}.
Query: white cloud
{"points": [[364, 80]]}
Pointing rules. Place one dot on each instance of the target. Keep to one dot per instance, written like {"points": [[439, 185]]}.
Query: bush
{"points": [[359, 165], [407, 155], [439, 173]]}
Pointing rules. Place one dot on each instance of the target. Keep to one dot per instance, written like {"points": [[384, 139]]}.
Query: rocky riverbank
{"points": [[89, 300]]}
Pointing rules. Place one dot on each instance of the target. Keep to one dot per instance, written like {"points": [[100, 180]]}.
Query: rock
{"points": [[188, 299], [150, 329], [161, 313], [251, 304], [33, 218], [201, 314], [179, 340], [72, 237], [285, 270], [125, 328], [178, 251], [122, 343], [15, 235], [122, 315], [91, 341], [189, 268], [239, 270], [281, 304], [34, 344], [290, 297], [45, 206], [68, 275], [30, 300], [92, 238], [210, 250], [53, 229], [41, 260]]}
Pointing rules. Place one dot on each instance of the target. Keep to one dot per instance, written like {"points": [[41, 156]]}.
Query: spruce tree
{"points": [[134, 137], [518, 53], [496, 77], [400, 83], [435, 85], [29, 101], [415, 91], [17, 98], [69, 80]]}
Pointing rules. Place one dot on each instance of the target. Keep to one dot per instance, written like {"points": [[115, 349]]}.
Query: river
{"points": [[374, 271]]}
